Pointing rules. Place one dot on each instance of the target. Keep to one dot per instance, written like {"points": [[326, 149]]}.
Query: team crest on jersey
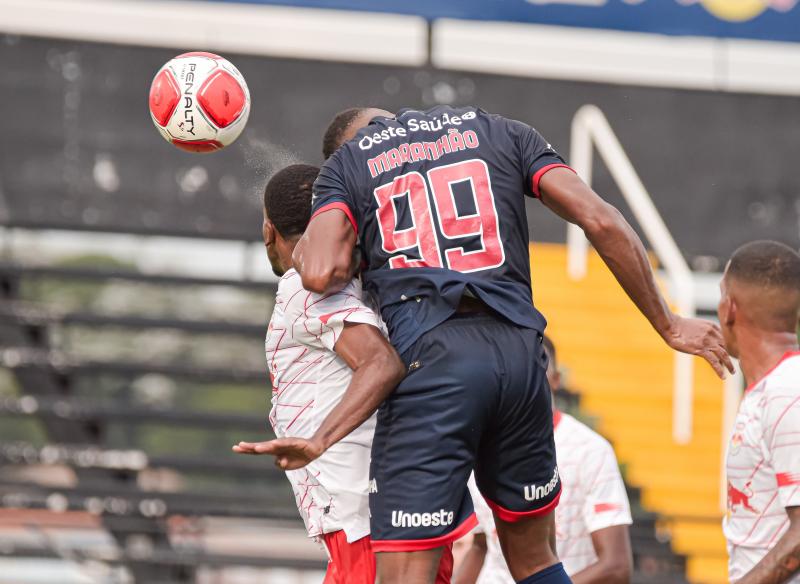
{"points": [[737, 439], [740, 498]]}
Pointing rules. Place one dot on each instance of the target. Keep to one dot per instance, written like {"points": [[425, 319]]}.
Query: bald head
{"points": [[346, 124], [761, 290]]}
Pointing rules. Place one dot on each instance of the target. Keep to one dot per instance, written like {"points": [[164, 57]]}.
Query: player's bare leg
{"points": [[408, 567], [528, 544]]}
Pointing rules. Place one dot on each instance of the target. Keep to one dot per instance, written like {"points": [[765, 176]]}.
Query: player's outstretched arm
{"points": [[622, 250], [614, 563], [377, 369], [783, 561], [324, 255]]}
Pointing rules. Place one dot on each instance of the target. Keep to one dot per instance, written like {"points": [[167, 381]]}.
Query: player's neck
{"points": [[285, 254], [759, 352]]}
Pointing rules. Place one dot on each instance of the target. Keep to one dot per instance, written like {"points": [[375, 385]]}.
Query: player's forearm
{"points": [[471, 565], [567, 195], [369, 387], [781, 563], [623, 252]]}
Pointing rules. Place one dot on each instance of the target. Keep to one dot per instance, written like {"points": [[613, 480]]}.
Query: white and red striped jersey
{"points": [[763, 466], [308, 380], [593, 498]]}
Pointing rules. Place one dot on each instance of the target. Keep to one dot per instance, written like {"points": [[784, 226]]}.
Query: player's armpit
{"points": [[614, 563], [324, 255], [377, 369], [563, 192], [783, 561]]}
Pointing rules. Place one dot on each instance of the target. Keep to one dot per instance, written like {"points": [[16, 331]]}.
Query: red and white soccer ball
{"points": [[199, 102]]}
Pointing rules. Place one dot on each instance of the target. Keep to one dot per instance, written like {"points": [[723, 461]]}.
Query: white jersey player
{"points": [[328, 359], [758, 313], [594, 506], [308, 380]]}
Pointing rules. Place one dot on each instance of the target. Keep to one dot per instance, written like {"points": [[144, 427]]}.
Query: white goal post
{"points": [[590, 127]]}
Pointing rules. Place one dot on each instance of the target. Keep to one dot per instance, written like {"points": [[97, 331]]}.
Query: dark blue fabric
{"points": [[476, 397], [552, 575], [414, 300]]}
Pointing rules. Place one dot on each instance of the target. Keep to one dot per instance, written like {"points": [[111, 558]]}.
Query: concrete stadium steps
{"points": [[624, 374]]}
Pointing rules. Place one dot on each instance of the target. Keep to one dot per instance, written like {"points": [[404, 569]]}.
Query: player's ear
{"points": [[724, 306], [268, 231], [730, 312]]}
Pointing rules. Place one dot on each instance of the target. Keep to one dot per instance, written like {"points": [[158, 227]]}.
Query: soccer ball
{"points": [[199, 102]]}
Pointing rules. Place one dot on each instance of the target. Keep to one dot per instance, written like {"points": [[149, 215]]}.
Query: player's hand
{"points": [[289, 453], [701, 338]]}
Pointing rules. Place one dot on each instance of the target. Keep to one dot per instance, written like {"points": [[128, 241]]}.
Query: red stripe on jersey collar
{"points": [[786, 355]]}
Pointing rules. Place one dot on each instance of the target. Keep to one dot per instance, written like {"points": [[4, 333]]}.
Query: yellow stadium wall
{"points": [[624, 373]]}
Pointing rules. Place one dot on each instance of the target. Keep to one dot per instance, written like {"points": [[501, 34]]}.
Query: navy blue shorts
{"points": [[476, 398]]}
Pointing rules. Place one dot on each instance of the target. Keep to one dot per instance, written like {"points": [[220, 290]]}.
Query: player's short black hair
{"points": [[287, 198], [333, 135], [550, 348], [766, 263]]}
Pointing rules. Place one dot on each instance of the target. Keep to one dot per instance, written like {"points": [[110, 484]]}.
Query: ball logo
{"points": [[534, 493], [199, 102], [436, 519], [188, 102]]}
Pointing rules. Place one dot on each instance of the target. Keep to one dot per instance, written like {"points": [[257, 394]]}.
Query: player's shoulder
{"points": [[788, 366], [785, 375], [576, 432], [289, 283], [354, 290], [297, 303], [290, 298], [782, 382]]}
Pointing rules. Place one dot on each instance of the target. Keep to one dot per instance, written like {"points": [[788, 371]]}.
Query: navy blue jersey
{"points": [[436, 198]]}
